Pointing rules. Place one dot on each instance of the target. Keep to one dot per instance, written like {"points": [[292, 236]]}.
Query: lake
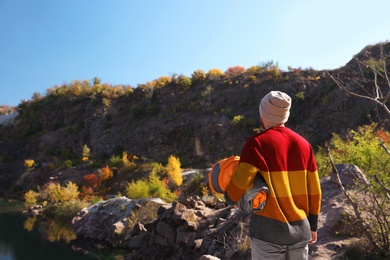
{"points": [[17, 243]]}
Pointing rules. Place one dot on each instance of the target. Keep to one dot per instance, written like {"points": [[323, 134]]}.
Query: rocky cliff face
{"points": [[195, 123]]}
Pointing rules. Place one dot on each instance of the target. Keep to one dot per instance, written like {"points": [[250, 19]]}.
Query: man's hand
{"points": [[313, 237]]}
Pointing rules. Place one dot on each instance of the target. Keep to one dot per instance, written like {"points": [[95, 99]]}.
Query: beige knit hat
{"points": [[275, 107]]}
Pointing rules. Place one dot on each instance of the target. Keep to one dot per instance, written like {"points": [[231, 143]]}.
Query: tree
{"points": [[86, 152], [174, 171], [234, 71], [29, 163]]}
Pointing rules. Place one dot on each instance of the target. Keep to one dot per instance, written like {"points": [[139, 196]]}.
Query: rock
{"points": [[179, 231], [349, 175], [106, 220], [138, 229], [118, 227], [208, 201], [138, 241]]}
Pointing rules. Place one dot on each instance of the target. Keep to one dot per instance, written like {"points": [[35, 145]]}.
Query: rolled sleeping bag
{"points": [[254, 199], [220, 175]]}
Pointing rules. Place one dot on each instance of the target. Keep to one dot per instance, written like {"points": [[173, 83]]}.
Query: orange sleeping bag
{"points": [[221, 173]]}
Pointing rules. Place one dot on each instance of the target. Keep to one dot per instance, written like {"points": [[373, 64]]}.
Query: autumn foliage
{"points": [[215, 73], [234, 71], [105, 173], [92, 180], [174, 171]]}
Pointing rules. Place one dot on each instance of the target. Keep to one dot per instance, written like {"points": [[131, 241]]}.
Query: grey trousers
{"points": [[265, 250]]}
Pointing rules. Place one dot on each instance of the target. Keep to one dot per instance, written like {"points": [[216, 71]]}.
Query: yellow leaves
{"points": [[29, 163], [86, 152], [105, 173], [57, 194], [313, 78], [30, 198], [174, 171], [198, 75], [215, 73]]}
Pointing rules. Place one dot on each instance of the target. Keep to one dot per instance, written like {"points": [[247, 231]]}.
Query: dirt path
{"points": [[328, 246]]}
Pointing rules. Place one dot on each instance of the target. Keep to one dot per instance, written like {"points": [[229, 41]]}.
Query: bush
{"points": [[86, 152], [363, 149], [115, 161], [162, 81], [138, 189], [215, 73], [234, 71], [67, 164], [174, 171], [151, 188], [30, 198], [184, 81], [105, 173], [54, 193], [237, 120], [253, 70], [198, 75], [29, 163], [66, 211], [92, 180]]}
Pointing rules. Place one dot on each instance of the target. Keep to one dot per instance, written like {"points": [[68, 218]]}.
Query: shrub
{"points": [[215, 73], [54, 193], [363, 149], [30, 198], [253, 70], [29, 163], [67, 210], [67, 164], [137, 190], [162, 81], [69, 192], [184, 81], [105, 173], [198, 75], [174, 171], [115, 161], [237, 120], [300, 95], [151, 188], [234, 71], [86, 152]]}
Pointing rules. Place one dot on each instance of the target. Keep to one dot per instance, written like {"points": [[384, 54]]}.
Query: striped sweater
{"points": [[286, 162]]}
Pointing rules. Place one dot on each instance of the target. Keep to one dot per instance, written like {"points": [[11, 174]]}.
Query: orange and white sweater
{"points": [[286, 162]]}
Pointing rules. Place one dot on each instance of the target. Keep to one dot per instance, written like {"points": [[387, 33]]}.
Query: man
{"points": [[288, 221]]}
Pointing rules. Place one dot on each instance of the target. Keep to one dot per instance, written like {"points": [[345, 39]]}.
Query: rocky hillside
{"points": [[199, 123]]}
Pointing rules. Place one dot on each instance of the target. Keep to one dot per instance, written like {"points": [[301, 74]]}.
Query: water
{"points": [[16, 243]]}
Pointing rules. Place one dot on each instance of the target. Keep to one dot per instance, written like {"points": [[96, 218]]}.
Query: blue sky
{"points": [[46, 43]]}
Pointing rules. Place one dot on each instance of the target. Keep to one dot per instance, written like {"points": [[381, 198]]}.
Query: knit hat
{"points": [[275, 107]]}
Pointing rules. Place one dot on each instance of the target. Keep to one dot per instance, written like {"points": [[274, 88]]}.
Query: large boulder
{"points": [[181, 229], [107, 221], [350, 175]]}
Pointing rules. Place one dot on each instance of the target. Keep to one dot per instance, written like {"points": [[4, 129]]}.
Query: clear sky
{"points": [[44, 43]]}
